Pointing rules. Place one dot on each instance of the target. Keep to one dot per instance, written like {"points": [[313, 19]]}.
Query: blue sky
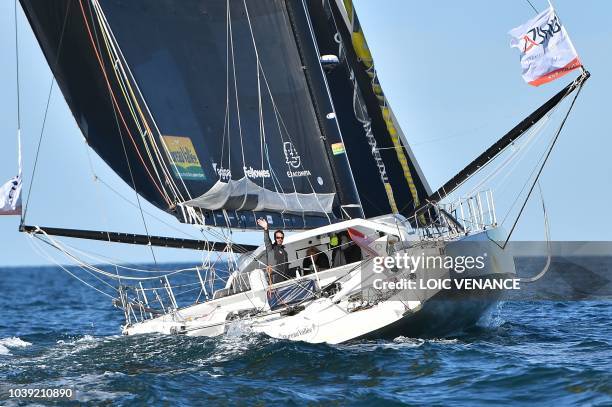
{"points": [[449, 74]]}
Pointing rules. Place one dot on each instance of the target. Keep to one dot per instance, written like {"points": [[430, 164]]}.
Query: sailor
{"points": [[320, 260], [345, 250], [276, 256]]}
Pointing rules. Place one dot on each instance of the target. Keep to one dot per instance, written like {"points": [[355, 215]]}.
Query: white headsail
{"points": [[547, 53]]}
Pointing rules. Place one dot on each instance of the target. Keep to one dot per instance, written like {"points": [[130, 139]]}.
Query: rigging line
{"points": [[278, 115], [231, 35], [17, 73], [280, 121], [366, 122], [64, 249], [226, 120], [329, 98], [52, 259], [79, 266], [100, 196], [118, 126], [42, 130], [531, 174], [548, 245], [525, 147], [147, 212], [384, 110], [464, 133], [17, 89], [259, 98], [115, 103], [541, 168], [110, 261], [131, 101], [117, 50], [532, 6], [264, 145]]}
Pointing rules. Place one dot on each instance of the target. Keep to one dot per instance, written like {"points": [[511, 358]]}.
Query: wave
{"points": [[13, 342], [85, 338]]}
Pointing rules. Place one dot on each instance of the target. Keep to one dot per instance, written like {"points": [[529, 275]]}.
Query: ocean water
{"points": [[55, 332]]}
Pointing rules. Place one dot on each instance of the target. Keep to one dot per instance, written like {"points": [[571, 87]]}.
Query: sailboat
{"points": [[229, 112]]}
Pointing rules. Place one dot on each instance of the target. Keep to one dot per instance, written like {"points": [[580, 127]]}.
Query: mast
{"points": [[319, 91], [389, 180]]}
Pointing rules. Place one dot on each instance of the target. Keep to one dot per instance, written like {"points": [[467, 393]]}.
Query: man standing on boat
{"points": [[276, 256]]}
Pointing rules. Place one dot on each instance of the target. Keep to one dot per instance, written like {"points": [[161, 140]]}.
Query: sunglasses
{"points": [[279, 237]]}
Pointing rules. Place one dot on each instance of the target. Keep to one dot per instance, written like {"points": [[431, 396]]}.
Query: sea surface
{"points": [[57, 333]]}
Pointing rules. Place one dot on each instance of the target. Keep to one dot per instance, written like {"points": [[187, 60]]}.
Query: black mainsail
{"points": [[210, 109], [221, 112]]}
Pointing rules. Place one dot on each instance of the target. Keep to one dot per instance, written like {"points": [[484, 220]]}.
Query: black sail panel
{"points": [[389, 179], [66, 43], [211, 110]]}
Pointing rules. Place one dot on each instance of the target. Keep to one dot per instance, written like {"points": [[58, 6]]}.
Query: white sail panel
{"points": [[247, 195], [10, 197]]}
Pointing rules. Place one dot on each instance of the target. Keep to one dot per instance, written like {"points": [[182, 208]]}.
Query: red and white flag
{"points": [[547, 53]]}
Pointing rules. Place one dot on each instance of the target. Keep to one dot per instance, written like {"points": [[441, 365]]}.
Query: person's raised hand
{"points": [[262, 223]]}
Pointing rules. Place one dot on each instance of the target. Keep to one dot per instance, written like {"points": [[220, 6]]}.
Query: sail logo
{"points": [[185, 162], [251, 172], [540, 34], [292, 157], [293, 160], [223, 173]]}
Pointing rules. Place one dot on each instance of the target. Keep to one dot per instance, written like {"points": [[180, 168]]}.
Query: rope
{"points": [[548, 245], [42, 130], [96, 46], [40, 252], [17, 68], [532, 6], [231, 43], [100, 196], [116, 107], [115, 54], [61, 247], [541, 168], [511, 159]]}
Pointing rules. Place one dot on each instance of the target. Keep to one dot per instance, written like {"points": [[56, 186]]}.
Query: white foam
{"points": [[84, 339], [415, 342], [443, 341], [13, 342], [493, 318]]}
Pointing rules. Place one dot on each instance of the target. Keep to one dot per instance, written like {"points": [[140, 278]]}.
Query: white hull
{"points": [[345, 314]]}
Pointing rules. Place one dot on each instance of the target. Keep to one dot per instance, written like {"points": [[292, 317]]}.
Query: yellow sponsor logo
{"points": [[185, 162], [337, 148]]}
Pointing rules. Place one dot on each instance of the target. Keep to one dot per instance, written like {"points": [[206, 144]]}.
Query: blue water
{"points": [[55, 332]]}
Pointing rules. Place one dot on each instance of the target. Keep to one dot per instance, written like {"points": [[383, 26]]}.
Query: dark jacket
{"points": [[321, 262], [276, 256]]}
